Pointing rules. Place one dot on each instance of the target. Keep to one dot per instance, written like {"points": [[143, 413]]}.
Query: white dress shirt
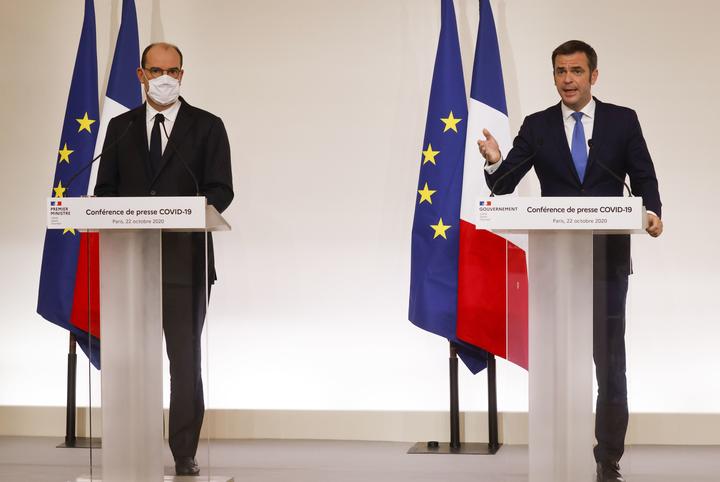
{"points": [[170, 115]]}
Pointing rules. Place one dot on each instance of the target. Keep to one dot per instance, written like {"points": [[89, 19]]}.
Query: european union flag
{"points": [[57, 290], [436, 227]]}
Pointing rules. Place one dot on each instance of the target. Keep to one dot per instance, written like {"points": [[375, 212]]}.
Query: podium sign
{"points": [[156, 212], [560, 213]]}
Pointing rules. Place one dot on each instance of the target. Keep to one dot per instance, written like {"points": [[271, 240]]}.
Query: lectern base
{"points": [[444, 448], [174, 478]]}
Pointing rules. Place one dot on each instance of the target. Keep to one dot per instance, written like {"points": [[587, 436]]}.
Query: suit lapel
{"points": [[183, 121], [598, 133], [139, 138], [557, 124]]}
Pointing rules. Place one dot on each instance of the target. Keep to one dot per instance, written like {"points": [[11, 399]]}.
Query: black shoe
{"points": [[186, 466], [609, 472]]}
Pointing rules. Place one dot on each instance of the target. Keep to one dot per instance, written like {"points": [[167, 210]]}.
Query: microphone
{"points": [[161, 119], [112, 144], [538, 145], [609, 171]]}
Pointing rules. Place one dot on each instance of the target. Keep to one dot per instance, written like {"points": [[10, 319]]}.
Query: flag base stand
{"points": [[71, 441], [81, 443], [455, 446], [446, 448]]}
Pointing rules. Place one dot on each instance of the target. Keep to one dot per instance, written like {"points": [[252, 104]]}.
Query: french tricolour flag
{"points": [[492, 310]]}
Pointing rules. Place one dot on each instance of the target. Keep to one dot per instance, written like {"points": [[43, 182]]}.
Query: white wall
{"points": [[325, 104]]}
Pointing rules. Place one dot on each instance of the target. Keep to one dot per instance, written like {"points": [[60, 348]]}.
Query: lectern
{"points": [[560, 269], [131, 317]]}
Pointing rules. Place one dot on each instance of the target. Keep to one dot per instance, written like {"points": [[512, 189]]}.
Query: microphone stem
{"points": [[177, 151]]}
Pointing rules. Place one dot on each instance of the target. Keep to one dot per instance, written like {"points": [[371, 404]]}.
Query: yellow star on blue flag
{"points": [[85, 123]]}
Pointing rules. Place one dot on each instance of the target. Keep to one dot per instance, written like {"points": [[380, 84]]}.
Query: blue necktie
{"points": [[578, 148]]}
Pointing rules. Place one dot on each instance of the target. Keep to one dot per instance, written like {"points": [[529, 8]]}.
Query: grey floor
{"points": [[35, 459]]}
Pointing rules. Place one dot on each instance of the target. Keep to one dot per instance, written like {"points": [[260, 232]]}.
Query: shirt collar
{"points": [[588, 110], [169, 113]]}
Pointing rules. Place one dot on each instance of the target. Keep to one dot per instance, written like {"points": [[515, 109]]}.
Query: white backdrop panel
{"points": [[325, 105]]}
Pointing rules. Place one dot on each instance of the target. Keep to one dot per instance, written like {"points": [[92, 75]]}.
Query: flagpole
{"points": [[455, 446], [454, 399], [493, 443], [71, 387]]}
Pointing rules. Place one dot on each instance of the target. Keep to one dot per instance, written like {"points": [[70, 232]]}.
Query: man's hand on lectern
{"points": [[489, 148], [655, 225]]}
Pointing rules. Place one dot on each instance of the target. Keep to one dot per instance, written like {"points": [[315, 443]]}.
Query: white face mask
{"points": [[164, 90]]}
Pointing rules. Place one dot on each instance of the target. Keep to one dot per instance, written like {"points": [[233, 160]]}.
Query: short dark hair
{"points": [[573, 46], [166, 45]]}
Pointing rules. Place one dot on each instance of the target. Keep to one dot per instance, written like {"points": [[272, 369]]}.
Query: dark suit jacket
{"points": [[199, 138], [617, 143]]}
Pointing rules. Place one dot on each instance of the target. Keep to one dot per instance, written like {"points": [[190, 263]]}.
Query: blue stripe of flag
{"points": [[487, 81], [123, 86]]}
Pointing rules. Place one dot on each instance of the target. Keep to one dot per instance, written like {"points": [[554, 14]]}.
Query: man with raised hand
{"points": [[557, 142]]}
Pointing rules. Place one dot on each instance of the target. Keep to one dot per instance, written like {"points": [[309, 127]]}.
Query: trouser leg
{"points": [[611, 421], [183, 318]]}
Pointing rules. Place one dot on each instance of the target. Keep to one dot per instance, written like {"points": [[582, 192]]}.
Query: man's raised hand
{"points": [[489, 148]]}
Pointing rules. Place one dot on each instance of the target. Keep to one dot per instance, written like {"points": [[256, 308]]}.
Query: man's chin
{"points": [[570, 99], [575, 102]]}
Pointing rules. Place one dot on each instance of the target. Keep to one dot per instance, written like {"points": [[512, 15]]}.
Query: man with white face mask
{"points": [[139, 160]]}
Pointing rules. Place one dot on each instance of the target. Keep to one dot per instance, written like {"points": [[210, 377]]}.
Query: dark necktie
{"points": [[156, 144], [578, 148]]}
